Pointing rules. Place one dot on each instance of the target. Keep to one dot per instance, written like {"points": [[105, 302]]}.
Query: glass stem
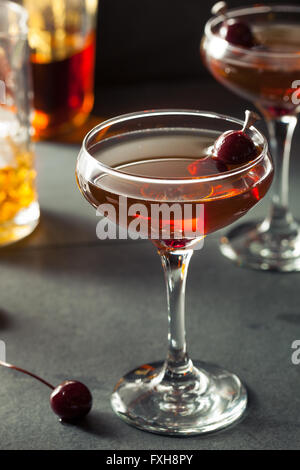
{"points": [[281, 132], [175, 264]]}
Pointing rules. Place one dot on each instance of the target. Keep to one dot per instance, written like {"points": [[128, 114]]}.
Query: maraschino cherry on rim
{"points": [[233, 30], [71, 400], [236, 147]]}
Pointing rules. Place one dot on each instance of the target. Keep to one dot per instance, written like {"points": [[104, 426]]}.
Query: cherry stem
{"points": [[219, 9], [250, 118], [11, 366]]}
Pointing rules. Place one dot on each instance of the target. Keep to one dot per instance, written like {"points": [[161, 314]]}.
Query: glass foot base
{"points": [[152, 400], [254, 245]]}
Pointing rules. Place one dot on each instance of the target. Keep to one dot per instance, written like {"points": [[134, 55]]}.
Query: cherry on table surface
{"points": [[71, 400], [236, 147]]}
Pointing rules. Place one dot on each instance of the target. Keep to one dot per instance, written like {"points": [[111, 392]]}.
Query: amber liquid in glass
{"points": [[173, 154], [265, 80], [17, 188], [63, 85]]}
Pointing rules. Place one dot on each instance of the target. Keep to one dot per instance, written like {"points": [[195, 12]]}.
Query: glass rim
{"points": [[23, 16], [165, 112], [244, 11]]}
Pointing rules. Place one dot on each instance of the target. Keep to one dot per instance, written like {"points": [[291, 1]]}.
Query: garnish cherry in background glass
{"points": [[233, 30]]}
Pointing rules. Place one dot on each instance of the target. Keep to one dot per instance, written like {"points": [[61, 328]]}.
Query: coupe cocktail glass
{"points": [[267, 74], [150, 158]]}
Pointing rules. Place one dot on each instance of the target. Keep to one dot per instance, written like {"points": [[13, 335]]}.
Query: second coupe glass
{"points": [[268, 74]]}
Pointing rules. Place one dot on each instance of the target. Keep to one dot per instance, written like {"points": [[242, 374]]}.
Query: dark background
{"points": [[148, 57], [152, 39]]}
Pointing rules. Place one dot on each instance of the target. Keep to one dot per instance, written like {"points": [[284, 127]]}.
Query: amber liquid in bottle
{"points": [[63, 85]]}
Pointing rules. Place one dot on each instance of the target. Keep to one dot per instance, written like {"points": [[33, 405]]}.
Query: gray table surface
{"points": [[74, 307]]}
